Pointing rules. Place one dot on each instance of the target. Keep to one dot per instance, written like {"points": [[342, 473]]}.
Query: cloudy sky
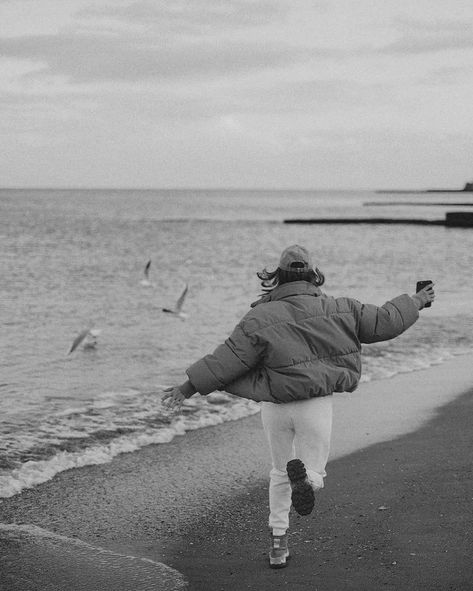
{"points": [[236, 93]]}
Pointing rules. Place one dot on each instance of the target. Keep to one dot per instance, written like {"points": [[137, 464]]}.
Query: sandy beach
{"points": [[395, 512]]}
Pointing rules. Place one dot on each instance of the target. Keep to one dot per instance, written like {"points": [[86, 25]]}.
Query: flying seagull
{"points": [[88, 337], [146, 282], [180, 302]]}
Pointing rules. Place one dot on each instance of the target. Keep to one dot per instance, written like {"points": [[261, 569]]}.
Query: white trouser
{"points": [[300, 429]]}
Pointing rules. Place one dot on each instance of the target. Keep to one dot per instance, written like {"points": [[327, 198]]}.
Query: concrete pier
{"points": [[456, 219]]}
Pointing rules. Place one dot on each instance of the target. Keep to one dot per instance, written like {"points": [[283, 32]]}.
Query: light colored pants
{"points": [[300, 429]]}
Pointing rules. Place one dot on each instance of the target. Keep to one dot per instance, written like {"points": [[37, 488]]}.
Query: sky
{"points": [[302, 94]]}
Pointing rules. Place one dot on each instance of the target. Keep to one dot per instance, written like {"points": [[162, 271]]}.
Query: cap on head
{"points": [[295, 258]]}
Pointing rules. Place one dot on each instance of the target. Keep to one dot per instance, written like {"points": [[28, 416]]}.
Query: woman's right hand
{"points": [[173, 399]]}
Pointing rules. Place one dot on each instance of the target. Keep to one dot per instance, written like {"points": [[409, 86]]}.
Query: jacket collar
{"points": [[287, 290]]}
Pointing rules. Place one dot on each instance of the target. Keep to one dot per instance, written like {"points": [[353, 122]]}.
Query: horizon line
{"points": [[256, 189]]}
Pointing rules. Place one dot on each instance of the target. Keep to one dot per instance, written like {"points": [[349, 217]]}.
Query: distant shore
{"points": [[468, 188], [421, 191], [420, 203]]}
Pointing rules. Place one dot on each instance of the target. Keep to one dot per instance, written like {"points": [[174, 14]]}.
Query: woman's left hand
{"points": [[173, 398], [424, 296]]}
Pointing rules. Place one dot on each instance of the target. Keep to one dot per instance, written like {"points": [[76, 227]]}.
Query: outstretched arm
{"points": [[237, 356], [394, 317]]}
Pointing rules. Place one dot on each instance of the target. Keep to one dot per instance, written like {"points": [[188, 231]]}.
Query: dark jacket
{"points": [[298, 343]]}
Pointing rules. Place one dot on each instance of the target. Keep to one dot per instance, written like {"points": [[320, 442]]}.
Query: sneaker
{"points": [[279, 553], [302, 496]]}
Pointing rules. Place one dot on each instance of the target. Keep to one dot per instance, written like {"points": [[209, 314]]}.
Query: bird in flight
{"points": [[146, 282], [177, 311], [88, 339]]}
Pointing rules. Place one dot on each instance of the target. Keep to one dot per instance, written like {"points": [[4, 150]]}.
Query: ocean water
{"points": [[74, 259]]}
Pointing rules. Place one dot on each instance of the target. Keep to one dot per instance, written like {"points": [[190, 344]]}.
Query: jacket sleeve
{"points": [[236, 356], [388, 321]]}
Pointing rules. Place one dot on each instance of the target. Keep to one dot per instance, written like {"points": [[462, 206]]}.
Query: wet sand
{"points": [[395, 516], [395, 512]]}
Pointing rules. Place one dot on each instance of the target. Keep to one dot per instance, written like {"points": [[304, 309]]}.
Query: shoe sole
{"points": [[280, 564], [303, 498]]}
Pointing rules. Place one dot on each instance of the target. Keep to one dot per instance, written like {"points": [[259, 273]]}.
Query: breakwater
{"points": [[460, 219]]}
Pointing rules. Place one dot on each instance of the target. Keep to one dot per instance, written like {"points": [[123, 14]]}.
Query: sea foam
{"points": [[197, 413]]}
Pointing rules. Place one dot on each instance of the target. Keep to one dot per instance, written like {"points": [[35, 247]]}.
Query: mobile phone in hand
{"points": [[420, 285]]}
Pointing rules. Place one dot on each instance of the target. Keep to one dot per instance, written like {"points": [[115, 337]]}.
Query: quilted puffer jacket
{"points": [[298, 343]]}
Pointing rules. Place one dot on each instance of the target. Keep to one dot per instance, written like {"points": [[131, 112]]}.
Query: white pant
{"points": [[300, 429]]}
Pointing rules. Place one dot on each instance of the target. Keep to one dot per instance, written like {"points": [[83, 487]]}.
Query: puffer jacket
{"points": [[298, 343]]}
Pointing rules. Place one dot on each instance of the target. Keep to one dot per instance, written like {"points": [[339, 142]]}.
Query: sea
{"points": [[74, 260]]}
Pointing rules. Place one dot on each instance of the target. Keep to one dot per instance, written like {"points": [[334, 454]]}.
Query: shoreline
{"points": [[152, 503], [392, 516]]}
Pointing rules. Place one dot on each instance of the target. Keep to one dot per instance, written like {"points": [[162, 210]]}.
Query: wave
{"points": [[197, 413], [381, 362]]}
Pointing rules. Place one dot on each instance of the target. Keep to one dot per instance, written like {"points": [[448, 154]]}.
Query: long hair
{"points": [[271, 279]]}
